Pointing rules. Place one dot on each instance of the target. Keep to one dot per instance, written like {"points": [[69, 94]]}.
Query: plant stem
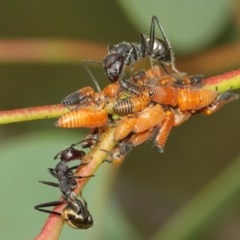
{"points": [[221, 83], [224, 82], [32, 113], [94, 159]]}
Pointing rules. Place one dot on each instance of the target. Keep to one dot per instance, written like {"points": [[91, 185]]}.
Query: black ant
{"points": [[75, 214], [125, 53]]}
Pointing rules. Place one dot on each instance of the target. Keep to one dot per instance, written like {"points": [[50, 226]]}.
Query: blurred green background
{"points": [[191, 191]]}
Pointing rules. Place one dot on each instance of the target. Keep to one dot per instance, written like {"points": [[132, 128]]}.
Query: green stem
{"points": [[224, 82], [221, 83], [32, 113]]}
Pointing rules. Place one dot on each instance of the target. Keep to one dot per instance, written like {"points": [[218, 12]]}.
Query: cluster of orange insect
{"points": [[145, 106], [148, 104]]}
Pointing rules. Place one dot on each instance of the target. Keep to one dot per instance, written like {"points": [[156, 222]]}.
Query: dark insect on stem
{"points": [[125, 53]]}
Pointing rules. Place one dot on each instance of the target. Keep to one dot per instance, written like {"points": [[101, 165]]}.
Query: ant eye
{"points": [[151, 93]]}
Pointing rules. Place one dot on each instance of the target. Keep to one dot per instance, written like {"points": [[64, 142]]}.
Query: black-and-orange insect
{"points": [[84, 94], [132, 104], [78, 97]]}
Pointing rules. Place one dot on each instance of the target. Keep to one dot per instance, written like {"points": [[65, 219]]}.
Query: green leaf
{"points": [[189, 25]]}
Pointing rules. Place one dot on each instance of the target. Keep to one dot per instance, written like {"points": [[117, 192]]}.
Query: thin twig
{"points": [[32, 113]]}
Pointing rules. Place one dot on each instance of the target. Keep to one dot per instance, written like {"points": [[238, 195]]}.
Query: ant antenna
{"points": [[85, 64]]}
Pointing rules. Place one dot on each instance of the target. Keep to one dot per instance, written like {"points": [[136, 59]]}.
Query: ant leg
{"points": [[49, 183], [41, 207], [130, 87], [145, 49], [126, 63], [82, 141], [165, 69], [151, 43], [108, 154], [152, 37], [79, 177], [75, 167], [90, 138], [82, 206], [220, 101], [144, 46], [52, 172], [152, 34]]}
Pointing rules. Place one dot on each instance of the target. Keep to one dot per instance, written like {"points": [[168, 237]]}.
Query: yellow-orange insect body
{"points": [[88, 118], [139, 138], [124, 128], [195, 99], [187, 99], [165, 95], [164, 130], [149, 118], [133, 104], [111, 90]]}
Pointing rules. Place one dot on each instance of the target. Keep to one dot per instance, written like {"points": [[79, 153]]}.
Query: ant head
{"points": [[160, 51], [113, 66], [70, 154]]}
